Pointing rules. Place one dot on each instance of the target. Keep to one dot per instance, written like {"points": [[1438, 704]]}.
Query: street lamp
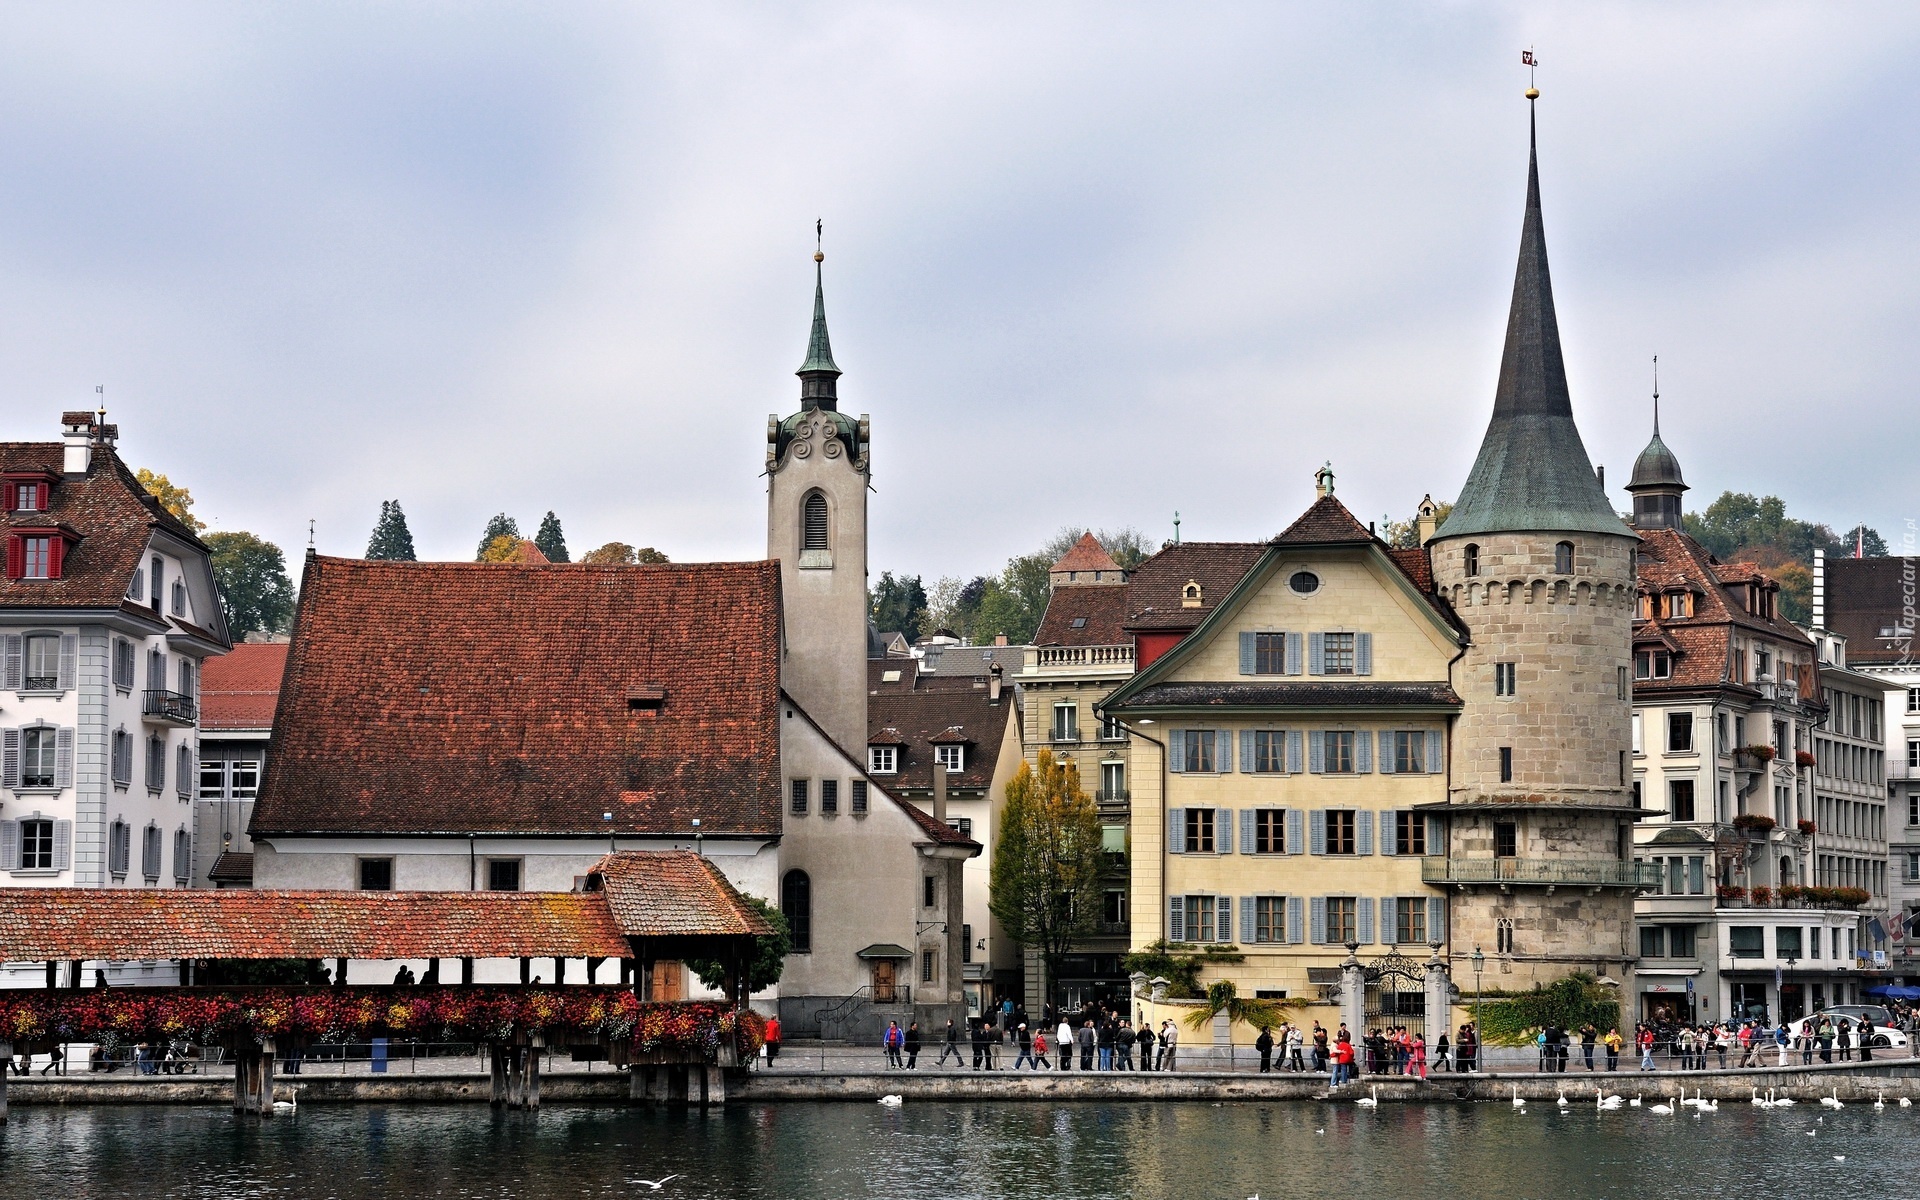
{"points": [[1479, 961]]}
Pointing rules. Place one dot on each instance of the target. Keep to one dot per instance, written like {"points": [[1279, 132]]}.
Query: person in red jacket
{"points": [[773, 1039]]}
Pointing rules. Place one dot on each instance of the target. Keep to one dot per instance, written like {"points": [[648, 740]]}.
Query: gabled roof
{"points": [[1087, 554], [485, 698], [673, 894], [1153, 595], [917, 720], [1671, 561], [1532, 472], [238, 690], [965, 666], [1326, 522], [115, 519], [1084, 614], [935, 831]]}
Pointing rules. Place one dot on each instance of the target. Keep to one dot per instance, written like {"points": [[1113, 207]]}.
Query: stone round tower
{"points": [[1540, 568]]}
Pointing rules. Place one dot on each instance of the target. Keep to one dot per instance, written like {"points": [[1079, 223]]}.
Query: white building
{"points": [[107, 610]]}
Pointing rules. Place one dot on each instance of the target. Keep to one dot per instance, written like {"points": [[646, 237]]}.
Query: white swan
{"points": [[1663, 1108], [1783, 1102], [1517, 1101], [892, 1101], [1832, 1101], [1905, 1102], [1757, 1102], [288, 1106], [1705, 1106], [1372, 1101], [1881, 1102]]}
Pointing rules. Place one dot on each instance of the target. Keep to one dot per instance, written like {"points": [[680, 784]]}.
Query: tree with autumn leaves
{"points": [[1047, 869]]}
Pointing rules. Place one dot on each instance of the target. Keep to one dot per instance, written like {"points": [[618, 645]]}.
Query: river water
{"points": [[930, 1151]]}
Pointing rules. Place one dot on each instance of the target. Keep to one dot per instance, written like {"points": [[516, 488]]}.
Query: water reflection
{"points": [[990, 1151]]}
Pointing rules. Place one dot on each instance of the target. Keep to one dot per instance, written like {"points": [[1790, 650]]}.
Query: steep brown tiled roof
{"points": [[231, 867], [921, 718], [114, 517], [1085, 614], [1153, 594], [1416, 564], [528, 554], [155, 923], [672, 893], [1326, 521], [1866, 601], [1087, 554], [469, 697], [238, 689], [1671, 561], [888, 791]]}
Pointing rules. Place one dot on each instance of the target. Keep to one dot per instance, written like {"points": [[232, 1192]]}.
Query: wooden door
{"points": [[883, 976]]}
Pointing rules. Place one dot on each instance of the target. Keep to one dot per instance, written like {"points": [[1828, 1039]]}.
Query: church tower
{"points": [[817, 474], [1540, 568]]}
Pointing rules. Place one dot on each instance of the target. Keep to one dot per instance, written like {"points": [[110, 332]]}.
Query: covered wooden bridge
{"points": [[638, 909]]}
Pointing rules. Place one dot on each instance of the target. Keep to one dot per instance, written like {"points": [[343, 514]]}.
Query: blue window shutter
{"points": [[1246, 751], [1389, 831], [1293, 654], [1249, 923], [1319, 920], [1363, 752], [1177, 751], [1176, 918], [1317, 752], [1223, 830], [1363, 832], [1223, 750], [1223, 918], [1296, 840], [1386, 751], [1319, 835], [69, 657], [1364, 921], [1247, 662], [1176, 831], [1389, 921], [1247, 839], [1435, 764], [1295, 919], [1363, 654], [1316, 654], [1436, 836], [1296, 758], [1436, 919]]}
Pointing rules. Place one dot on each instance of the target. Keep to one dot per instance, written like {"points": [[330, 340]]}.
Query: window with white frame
{"points": [[1066, 721], [1113, 781], [39, 756], [1503, 678], [952, 757], [213, 780], [42, 662], [883, 760], [1111, 730], [1337, 649]]}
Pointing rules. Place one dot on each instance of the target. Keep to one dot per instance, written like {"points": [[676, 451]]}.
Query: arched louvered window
{"points": [[796, 904], [813, 522]]}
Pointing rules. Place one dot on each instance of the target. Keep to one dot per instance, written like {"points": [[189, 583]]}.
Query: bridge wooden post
{"points": [[6, 1068], [497, 1074], [713, 1086], [263, 1094], [534, 1048]]}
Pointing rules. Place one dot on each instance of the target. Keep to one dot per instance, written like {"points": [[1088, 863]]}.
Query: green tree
{"points": [[898, 605], [551, 541], [1224, 998], [392, 541], [1405, 535], [1179, 963], [178, 501], [769, 954], [1047, 868], [500, 525], [1739, 527], [621, 554], [1013, 603], [254, 588]]}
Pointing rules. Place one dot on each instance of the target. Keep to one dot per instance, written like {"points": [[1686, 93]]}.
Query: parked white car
{"points": [[1886, 1036]]}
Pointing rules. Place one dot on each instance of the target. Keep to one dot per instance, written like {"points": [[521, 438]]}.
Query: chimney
{"points": [[77, 430], [1819, 589], [1600, 475], [993, 683], [940, 793], [999, 639]]}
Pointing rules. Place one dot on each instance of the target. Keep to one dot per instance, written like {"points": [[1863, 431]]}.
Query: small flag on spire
{"points": [[1526, 58]]}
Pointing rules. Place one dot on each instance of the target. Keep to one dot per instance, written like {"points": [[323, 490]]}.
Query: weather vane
{"points": [[1527, 58], [818, 236]]}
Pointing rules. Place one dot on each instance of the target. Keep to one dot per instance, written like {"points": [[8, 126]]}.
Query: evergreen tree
{"points": [[501, 525], [898, 605], [392, 541], [551, 541]]}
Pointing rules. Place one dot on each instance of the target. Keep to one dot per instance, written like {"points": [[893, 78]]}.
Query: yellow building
{"points": [[1284, 757]]}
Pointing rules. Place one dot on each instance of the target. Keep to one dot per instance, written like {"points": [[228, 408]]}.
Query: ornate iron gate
{"points": [[1397, 994]]}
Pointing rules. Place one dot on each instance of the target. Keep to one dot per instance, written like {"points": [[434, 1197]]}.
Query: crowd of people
{"points": [[1097, 1038]]}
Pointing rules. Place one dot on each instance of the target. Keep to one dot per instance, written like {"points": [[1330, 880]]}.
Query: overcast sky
{"points": [[1086, 264]]}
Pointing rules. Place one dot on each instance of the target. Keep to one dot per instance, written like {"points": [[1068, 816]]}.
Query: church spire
{"points": [[818, 375], [1532, 472]]}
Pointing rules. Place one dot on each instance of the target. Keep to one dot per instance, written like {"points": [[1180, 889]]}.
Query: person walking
{"points": [[1264, 1044], [912, 1044], [1024, 1041], [1063, 1043], [1296, 1042], [1146, 1041], [1169, 1044], [1589, 1038], [1612, 1043], [1644, 1036], [1466, 1048], [892, 1040], [1086, 1039], [1319, 1048], [951, 1045], [1417, 1060], [772, 1040], [1039, 1059]]}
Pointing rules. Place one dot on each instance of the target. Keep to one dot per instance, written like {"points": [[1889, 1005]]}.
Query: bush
{"points": [[1754, 822], [1179, 963], [1804, 758], [1809, 828], [1763, 753], [1725, 894], [1569, 1003]]}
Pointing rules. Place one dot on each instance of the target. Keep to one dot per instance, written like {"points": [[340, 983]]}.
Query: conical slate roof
{"points": [[819, 350], [1533, 473], [1656, 467]]}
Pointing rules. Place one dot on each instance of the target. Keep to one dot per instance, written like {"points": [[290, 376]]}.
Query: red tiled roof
{"points": [[1671, 561], [1100, 609], [231, 867], [1416, 564], [112, 513], [1325, 521], [528, 554], [672, 893], [468, 697], [239, 688], [158, 923], [945, 835], [1153, 595], [1087, 554]]}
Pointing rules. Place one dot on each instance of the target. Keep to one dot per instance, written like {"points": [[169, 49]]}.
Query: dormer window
{"points": [[1645, 606], [37, 553], [26, 491], [1653, 664], [154, 574], [1680, 604], [883, 760], [1191, 595], [953, 758]]}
